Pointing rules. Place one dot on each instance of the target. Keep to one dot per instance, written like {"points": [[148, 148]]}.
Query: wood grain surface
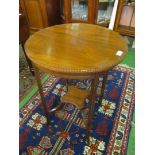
{"points": [[78, 48]]}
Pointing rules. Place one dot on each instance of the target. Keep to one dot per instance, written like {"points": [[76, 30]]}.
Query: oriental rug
{"points": [[66, 134]]}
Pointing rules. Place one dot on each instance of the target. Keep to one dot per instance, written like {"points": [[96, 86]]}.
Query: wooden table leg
{"points": [[105, 76], [91, 106], [37, 76]]}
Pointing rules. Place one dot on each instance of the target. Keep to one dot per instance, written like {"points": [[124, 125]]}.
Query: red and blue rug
{"points": [[66, 134]]}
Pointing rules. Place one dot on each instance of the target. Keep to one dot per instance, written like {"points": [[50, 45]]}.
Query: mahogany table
{"points": [[76, 51]]}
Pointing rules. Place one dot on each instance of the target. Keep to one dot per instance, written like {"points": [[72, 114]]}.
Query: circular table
{"points": [[76, 51]]}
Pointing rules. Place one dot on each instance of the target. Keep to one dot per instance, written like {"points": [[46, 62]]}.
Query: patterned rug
{"points": [[66, 134]]}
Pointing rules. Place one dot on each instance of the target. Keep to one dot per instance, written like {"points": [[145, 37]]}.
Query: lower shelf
{"points": [[75, 96]]}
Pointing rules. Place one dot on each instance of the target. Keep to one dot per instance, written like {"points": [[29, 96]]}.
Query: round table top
{"points": [[76, 48]]}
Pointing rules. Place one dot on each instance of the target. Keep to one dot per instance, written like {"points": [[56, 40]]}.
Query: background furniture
{"points": [[23, 36], [86, 11], [125, 18], [44, 13], [40, 13], [56, 50]]}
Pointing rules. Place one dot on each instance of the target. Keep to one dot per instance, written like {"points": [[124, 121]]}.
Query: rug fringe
{"points": [[126, 66]]}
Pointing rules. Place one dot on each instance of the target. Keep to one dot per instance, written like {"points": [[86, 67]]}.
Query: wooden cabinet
{"points": [[40, 13], [125, 18], [86, 11], [23, 36]]}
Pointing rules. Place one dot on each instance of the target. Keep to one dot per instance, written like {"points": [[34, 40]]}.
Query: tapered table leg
{"points": [[38, 78], [105, 76], [91, 106]]}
